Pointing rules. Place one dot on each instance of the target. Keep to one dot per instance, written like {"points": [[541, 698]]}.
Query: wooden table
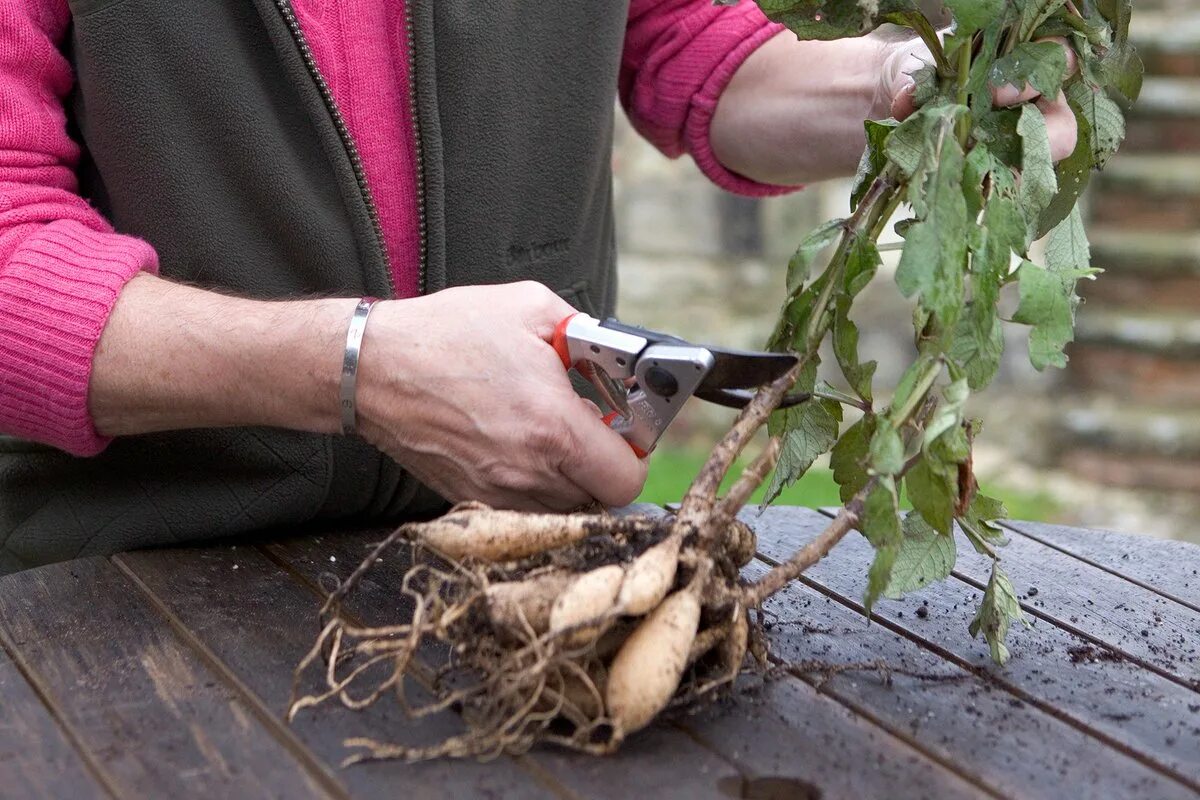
{"points": [[165, 673]]}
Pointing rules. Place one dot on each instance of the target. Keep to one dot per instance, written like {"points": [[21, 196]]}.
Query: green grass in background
{"points": [[671, 470]]}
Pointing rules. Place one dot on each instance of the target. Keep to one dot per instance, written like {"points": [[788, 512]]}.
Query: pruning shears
{"points": [[645, 376]]}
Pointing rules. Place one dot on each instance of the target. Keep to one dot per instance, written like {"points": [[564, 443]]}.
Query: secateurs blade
{"points": [[646, 376]]}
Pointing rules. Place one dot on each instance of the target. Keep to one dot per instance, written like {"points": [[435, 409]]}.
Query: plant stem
{"points": [[920, 390], [879, 197], [783, 574], [963, 77], [844, 399], [846, 520], [929, 36]]}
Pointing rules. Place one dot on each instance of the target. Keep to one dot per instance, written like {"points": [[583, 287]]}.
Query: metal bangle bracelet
{"points": [[354, 339]]}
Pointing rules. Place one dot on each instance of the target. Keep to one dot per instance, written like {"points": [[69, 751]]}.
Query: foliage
{"points": [[981, 187]]}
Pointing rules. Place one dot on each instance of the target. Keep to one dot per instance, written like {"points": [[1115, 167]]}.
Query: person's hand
{"points": [[895, 95], [463, 389]]}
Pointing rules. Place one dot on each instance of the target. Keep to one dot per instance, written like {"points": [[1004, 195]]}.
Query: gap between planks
{"points": [[92, 765], [1068, 627], [1011, 526], [275, 726], [1012, 688], [422, 674]]}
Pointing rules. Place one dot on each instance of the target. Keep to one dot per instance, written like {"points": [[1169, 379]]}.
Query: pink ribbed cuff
{"points": [[704, 105], [56, 293]]}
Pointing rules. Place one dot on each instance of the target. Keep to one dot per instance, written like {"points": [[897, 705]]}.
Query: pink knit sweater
{"points": [[62, 266]]}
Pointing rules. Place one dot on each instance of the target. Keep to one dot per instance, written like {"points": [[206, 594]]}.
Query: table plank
{"points": [[949, 712], [36, 757], [1132, 709], [147, 709], [1159, 633], [784, 728], [650, 765], [258, 621], [1165, 567], [1116, 614]]}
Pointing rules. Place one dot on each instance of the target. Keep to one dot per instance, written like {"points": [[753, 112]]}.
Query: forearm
{"points": [[793, 113], [173, 356]]}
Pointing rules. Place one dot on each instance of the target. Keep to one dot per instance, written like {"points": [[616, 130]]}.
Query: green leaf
{"points": [[882, 527], [949, 413], [978, 524], [933, 262], [1047, 296], [1067, 245], [1117, 13], [811, 429], [887, 449], [911, 379], [835, 19], [874, 158], [862, 261], [800, 264], [1047, 302], [976, 169], [971, 15], [997, 128], [1033, 14], [1042, 65], [926, 86], [977, 344], [1038, 181], [1072, 173], [845, 348], [986, 510], [998, 609], [905, 147], [932, 489], [1123, 70], [1104, 118], [925, 556], [848, 459]]}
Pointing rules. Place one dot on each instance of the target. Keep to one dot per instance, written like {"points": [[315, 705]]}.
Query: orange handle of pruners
{"points": [[563, 348]]}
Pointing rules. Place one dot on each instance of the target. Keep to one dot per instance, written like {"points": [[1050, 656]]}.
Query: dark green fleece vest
{"points": [[206, 132]]}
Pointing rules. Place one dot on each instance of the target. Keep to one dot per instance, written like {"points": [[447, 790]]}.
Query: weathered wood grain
{"points": [[36, 758], [1169, 568], [1160, 633], [990, 719], [783, 729], [155, 719], [258, 621]]}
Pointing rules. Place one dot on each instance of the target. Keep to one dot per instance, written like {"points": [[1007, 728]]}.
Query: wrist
{"points": [[175, 357]]}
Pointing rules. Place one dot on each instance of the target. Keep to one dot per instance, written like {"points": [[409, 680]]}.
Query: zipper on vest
{"points": [[418, 150], [360, 175]]}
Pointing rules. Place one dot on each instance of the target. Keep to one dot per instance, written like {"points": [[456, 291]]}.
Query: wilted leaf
{"points": [[971, 15], [1038, 181], [925, 556], [1042, 65], [848, 460], [835, 19], [997, 610], [845, 348], [932, 490], [1105, 119], [809, 431], [881, 525], [800, 263]]}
